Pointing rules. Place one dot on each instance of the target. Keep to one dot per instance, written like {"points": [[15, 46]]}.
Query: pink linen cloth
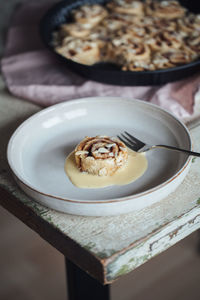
{"points": [[34, 73]]}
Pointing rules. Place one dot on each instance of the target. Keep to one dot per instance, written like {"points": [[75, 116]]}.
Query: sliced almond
{"points": [[110, 145], [102, 150], [81, 152]]}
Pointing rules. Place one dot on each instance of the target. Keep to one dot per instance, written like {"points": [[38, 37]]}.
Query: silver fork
{"points": [[135, 144]]}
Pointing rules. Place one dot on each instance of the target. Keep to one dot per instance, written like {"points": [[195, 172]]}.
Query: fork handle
{"points": [[177, 149]]}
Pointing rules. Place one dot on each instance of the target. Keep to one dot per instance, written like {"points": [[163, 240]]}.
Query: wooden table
{"points": [[100, 250]]}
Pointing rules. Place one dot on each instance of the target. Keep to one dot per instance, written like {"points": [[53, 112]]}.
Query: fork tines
{"points": [[131, 141]]}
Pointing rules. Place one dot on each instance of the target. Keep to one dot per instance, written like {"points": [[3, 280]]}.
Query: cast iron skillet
{"points": [[105, 72]]}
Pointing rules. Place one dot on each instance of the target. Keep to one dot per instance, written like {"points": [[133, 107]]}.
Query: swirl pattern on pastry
{"points": [[136, 52], [165, 24], [189, 24], [194, 42], [75, 29], [178, 57], [132, 7], [129, 49], [100, 155], [133, 31], [163, 41], [171, 58], [115, 22], [164, 9], [82, 51], [90, 14]]}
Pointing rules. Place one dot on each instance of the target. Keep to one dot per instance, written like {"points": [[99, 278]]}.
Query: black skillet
{"points": [[105, 72]]}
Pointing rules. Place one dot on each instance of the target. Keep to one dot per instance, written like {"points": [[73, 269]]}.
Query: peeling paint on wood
{"points": [[193, 159], [153, 245]]}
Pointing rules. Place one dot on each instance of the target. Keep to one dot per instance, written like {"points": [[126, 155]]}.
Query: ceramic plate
{"points": [[38, 149]]}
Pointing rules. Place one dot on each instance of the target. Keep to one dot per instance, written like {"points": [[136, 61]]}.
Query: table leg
{"points": [[198, 241], [83, 286]]}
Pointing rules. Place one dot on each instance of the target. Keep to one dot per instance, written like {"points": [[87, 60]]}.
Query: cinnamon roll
{"points": [[130, 49], [160, 61], [100, 155], [86, 51], [75, 30], [164, 40], [164, 9], [132, 7], [90, 14], [133, 31], [185, 25], [194, 42], [113, 23], [165, 24], [136, 52], [189, 23], [171, 58], [178, 57]]}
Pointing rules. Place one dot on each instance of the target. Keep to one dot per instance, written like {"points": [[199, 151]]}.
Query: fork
{"points": [[139, 146]]}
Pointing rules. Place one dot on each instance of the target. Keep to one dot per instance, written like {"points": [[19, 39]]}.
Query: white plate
{"points": [[38, 148]]}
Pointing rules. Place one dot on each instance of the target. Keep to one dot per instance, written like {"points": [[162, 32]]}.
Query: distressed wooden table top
{"points": [[106, 247]]}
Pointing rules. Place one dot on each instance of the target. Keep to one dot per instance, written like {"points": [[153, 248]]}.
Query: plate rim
{"points": [[100, 201]]}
